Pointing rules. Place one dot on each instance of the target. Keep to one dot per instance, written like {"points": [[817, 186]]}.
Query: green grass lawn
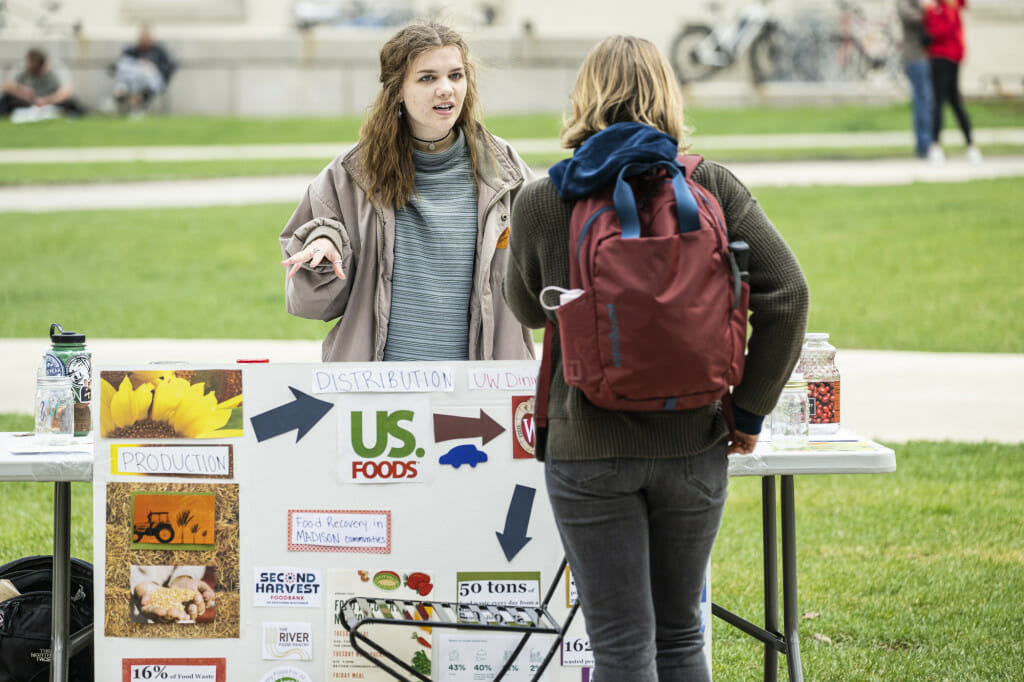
{"points": [[842, 119], [915, 575], [926, 267], [917, 267]]}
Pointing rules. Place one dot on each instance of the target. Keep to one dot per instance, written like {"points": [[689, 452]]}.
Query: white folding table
{"points": [[22, 460], [842, 453]]}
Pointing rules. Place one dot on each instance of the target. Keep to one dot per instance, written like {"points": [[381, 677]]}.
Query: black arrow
{"points": [[303, 413], [450, 427], [517, 521]]}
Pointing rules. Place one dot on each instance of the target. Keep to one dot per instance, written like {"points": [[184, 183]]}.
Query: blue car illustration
{"points": [[464, 454]]}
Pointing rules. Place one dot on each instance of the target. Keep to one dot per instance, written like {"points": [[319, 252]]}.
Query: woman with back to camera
{"points": [[638, 496], [404, 238]]}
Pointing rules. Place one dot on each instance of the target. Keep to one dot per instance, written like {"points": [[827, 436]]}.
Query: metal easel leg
{"points": [[771, 577], [791, 616], [557, 644], [512, 657]]}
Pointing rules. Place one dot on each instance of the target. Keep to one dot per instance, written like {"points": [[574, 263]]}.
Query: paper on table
{"points": [[30, 445]]}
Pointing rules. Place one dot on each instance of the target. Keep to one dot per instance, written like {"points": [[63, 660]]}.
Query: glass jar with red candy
{"points": [[818, 366]]}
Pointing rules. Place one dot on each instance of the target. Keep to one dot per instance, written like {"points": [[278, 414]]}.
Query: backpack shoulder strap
{"points": [[540, 408], [689, 162]]}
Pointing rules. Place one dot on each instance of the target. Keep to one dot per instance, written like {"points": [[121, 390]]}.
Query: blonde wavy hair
{"points": [[385, 141], [624, 79]]}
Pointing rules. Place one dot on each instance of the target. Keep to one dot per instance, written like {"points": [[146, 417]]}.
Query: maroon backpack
{"points": [[661, 323]]}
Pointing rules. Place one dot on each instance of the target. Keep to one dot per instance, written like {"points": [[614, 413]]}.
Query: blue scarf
{"points": [[597, 161]]}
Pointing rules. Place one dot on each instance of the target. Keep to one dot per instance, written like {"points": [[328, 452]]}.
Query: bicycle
{"points": [[861, 46], [37, 18], [699, 51]]}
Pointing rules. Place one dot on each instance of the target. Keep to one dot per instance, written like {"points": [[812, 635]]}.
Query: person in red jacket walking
{"points": [[946, 51]]}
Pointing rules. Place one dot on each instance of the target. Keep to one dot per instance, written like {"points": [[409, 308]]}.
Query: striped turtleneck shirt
{"points": [[435, 252]]}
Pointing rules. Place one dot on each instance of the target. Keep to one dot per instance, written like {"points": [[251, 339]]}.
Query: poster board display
{"points": [[249, 501]]}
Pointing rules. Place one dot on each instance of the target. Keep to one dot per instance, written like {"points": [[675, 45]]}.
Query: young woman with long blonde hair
{"points": [[638, 496]]}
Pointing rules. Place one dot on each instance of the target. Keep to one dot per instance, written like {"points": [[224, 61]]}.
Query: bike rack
{"points": [[358, 612]]}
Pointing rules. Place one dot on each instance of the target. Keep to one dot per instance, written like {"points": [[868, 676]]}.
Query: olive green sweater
{"points": [[778, 304]]}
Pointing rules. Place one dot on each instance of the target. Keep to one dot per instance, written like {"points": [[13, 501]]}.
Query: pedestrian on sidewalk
{"points": [[916, 66], [946, 52], [404, 239], [638, 496]]}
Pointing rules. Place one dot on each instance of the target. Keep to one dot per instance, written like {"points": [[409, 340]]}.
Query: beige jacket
{"points": [[336, 206]]}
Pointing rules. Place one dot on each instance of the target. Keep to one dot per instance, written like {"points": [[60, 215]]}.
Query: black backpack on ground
{"points": [[25, 621]]}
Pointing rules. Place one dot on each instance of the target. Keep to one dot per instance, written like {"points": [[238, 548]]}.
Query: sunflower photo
{"points": [[173, 520], [171, 404]]}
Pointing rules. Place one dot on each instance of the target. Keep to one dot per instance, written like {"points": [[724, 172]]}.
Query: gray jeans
{"points": [[638, 535]]}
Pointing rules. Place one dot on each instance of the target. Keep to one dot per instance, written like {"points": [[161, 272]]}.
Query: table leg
{"points": [[771, 578], [60, 613], [791, 615]]}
